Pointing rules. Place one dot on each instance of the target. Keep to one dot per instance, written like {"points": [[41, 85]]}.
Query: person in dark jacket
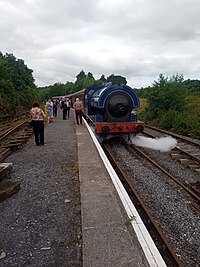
{"points": [[63, 106], [55, 108]]}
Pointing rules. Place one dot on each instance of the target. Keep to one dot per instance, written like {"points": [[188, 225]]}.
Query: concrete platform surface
{"points": [[108, 240]]}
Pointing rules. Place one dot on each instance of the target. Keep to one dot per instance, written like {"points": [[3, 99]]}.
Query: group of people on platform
{"points": [[65, 105], [38, 115]]}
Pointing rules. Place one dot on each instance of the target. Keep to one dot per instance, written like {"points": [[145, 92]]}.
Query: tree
{"points": [[162, 81], [80, 76], [117, 80], [103, 79], [90, 76], [17, 86], [193, 86], [70, 87], [167, 94]]}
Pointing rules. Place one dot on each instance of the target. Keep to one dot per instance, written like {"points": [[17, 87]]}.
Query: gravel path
{"points": [[41, 224]]}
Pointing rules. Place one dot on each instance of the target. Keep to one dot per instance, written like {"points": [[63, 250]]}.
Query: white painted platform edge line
{"points": [[152, 254]]}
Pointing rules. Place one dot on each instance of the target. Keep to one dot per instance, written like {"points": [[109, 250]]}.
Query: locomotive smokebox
{"points": [[118, 106]]}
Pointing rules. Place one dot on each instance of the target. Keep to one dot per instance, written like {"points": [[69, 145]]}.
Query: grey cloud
{"points": [[136, 39]]}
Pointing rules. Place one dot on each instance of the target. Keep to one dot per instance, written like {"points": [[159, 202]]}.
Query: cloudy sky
{"points": [[138, 39]]}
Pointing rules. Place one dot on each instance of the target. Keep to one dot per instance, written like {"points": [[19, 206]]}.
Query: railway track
{"points": [[147, 174], [162, 241], [187, 152], [193, 193], [11, 139], [180, 137]]}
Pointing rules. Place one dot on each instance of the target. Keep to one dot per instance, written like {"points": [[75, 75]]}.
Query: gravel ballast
{"points": [[168, 204], [41, 224]]}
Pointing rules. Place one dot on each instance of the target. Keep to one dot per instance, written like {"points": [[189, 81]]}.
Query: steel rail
{"points": [[187, 189], [12, 129], [181, 151], [166, 247], [172, 134]]}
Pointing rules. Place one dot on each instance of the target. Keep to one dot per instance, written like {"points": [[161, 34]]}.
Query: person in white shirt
{"points": [[68, 104], [49, 107]]}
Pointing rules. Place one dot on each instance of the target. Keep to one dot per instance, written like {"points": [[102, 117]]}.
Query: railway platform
{"points": [[108, 238]]}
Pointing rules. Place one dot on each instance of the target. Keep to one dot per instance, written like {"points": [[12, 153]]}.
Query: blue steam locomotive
{"points": [[111, 108]]}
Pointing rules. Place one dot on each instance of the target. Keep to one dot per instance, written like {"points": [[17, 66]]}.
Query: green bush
{"points": [[186, 123]]}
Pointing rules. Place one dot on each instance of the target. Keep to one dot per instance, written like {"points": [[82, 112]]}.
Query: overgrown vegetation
{"points": [[171, 102], [17, 88]]}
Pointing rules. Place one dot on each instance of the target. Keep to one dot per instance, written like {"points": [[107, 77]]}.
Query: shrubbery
{"points": [[17, 88], [173, 104]]}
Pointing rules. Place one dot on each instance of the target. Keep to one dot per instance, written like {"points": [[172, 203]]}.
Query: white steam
{"points": [[163, 144]]}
